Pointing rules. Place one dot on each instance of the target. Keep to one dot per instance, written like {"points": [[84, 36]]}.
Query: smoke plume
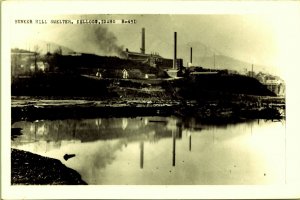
{"points": [[95, 39], [107, 41]]}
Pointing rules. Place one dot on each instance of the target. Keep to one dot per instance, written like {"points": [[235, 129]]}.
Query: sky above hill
{"points": [[258, 39]]}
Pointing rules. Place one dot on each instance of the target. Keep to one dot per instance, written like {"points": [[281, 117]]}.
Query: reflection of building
{"points": [[153, 128], [49, 135], [124, 123]]}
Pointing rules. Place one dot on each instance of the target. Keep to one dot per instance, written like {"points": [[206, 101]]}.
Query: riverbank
{"points": [[31, 109], [31, 169]]}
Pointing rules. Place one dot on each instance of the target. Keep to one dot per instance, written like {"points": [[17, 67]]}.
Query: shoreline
{"points": [[209, 111], [32, 169]]}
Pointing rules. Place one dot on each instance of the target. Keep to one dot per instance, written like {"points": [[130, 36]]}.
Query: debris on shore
{"points": [[211, 112]]}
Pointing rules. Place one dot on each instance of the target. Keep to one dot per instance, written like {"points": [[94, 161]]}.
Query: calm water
{"points": [[161, 150]]}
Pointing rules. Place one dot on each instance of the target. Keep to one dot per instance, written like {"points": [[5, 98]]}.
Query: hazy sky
{"points": [[255, 39]]}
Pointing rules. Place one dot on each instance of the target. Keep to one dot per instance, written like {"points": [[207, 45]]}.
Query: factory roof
{"points": [[141, 54]]}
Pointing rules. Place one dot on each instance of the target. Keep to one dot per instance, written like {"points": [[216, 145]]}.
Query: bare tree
{"points": [[58, 51], [36, 56]]}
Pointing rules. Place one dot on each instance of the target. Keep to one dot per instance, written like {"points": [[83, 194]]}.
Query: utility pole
{"points": [[48, 48], [36, 53], [191, 58], [35, 62], [214, 61]]}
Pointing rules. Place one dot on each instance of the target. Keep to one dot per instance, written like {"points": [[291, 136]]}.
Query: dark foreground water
{"points": [[161, 150]]}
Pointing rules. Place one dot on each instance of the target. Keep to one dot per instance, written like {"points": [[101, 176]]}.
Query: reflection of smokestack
{"points": [[143, 41], [190, 142], [174, 148], [180, 132], [142, 155], [191, 59], [175, 51]]}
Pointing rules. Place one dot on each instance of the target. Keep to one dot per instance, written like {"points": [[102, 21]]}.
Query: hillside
{"points": [[41, 47], [203, 56], [90, 63], [203, 87], [225, 62]]}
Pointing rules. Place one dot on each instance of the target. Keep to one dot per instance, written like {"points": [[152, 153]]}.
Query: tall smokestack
{"points": [[143, 41], [191, 59], [175, 51]]}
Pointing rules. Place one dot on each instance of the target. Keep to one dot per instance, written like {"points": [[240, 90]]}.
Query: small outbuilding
{"points": [[125, 74]]}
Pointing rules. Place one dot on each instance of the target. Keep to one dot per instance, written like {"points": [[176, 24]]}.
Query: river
{"points": [[161, 150]]}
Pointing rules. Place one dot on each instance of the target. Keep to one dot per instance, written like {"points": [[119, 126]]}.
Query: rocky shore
{"points": [[31, 169]]}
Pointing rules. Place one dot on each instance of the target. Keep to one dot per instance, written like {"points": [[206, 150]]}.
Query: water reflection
{"points": [[190, 142], [93, 129], [124, 123], [142, 154], [158, 150], [174, 148]]}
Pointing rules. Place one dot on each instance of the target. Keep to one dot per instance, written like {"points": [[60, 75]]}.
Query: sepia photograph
{"points": [[147, 99]]}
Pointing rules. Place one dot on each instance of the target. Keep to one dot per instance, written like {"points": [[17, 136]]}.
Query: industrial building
{"points": [[25, 62], [154, 59]]}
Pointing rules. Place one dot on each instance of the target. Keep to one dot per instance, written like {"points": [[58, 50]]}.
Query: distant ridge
{"points": [[225, 62], [42, 47], [203, 56]]}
